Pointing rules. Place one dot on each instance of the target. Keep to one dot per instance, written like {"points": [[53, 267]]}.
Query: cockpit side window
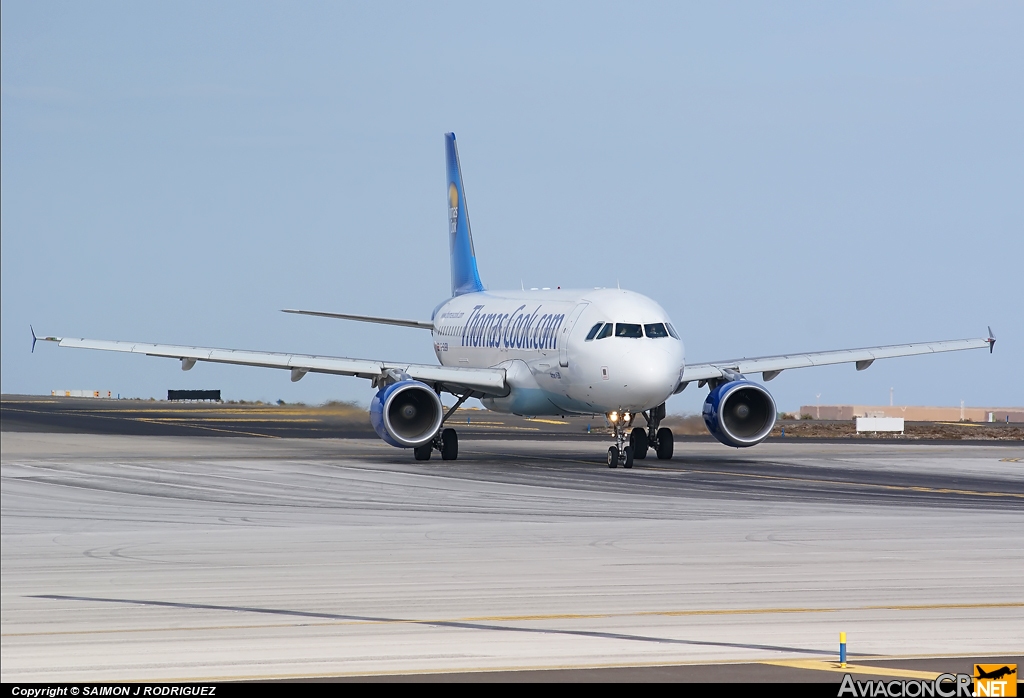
{"points": [[606, 331], [656, 330], [627, 329], [593, 331], [671, 330]]}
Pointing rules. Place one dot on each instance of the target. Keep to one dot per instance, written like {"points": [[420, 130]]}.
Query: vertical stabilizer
{"points": [[465, 277]]}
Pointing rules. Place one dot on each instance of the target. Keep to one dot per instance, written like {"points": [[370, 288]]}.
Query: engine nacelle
{"points": [[739, 413], [406, 414]]}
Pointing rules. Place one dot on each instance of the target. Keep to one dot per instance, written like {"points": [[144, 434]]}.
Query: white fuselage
{"points": [[540, 338]]}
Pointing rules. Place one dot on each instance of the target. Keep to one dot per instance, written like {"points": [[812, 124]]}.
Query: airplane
{"points": [[996, 674], [536, 352]]}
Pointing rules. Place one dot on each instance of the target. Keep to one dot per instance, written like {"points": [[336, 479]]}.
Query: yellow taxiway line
{"points": [[824, 665], [307, 622], [904, 488]]}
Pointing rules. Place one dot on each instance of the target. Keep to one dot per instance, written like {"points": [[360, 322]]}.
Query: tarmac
{"points": [[168, 558], [47, 414]]}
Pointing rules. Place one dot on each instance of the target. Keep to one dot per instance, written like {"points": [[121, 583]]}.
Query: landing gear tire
{"points": [[613, 457], [664, 444], [628, 453], [449, 445], [638, 440], [423, 452]]}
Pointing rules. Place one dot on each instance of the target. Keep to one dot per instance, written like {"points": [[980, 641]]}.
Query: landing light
{"points": [[626, 416], [614, 416]]}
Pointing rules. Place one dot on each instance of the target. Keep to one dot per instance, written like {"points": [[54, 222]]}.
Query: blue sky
{"points": [[780, 177]]}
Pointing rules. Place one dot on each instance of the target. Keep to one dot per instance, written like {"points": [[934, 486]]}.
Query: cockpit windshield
{"points": [[656, 330]]}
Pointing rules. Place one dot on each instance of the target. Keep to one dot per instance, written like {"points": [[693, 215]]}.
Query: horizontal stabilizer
{"points": [[422, 324]]}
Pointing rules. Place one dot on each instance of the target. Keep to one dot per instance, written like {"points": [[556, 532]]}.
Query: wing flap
{"points": [[488, 381], [771, 364]]}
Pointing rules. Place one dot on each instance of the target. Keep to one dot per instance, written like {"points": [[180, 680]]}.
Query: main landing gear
{"points": [[656, 436], [640, 440], [445, 440]]}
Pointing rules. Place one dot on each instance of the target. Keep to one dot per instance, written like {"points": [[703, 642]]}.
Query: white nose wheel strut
{"points": [[620, 453]]}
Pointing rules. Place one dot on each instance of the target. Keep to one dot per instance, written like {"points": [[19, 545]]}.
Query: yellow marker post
{"points": [[842, 650]]}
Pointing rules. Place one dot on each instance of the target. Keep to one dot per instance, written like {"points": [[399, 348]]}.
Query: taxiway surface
{"points": [[163, 558]]}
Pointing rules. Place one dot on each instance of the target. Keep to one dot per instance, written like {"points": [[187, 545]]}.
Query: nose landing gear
{"points": [[620, 453]]}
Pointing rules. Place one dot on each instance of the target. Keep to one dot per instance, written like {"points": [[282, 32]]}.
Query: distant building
{"points": [[80, 393], [915, 414]]}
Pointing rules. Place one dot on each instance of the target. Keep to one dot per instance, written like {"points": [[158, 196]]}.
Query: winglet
{"points": [[991, 340], [40, 339]]}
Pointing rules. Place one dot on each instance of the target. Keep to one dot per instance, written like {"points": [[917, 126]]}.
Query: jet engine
{"points": [[406, 414], [739, 413]]}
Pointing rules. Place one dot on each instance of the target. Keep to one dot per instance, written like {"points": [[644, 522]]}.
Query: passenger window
{"points": [[671, 330], [606, 331], [593, 331], [655, 331], [625, 329]]}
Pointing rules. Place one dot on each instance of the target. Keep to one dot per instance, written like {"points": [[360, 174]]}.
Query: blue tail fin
{"points": [[465, 277]]}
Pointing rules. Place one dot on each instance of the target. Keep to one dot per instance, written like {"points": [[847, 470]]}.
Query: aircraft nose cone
{"points": [[652, 376]]}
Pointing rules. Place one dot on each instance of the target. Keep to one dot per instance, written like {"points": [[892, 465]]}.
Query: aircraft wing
{"points": [[771, 366], [486, 381]]}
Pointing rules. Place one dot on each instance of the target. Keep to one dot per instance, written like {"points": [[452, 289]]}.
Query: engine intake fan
{"points": [[739, 413], [406, 414]]}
